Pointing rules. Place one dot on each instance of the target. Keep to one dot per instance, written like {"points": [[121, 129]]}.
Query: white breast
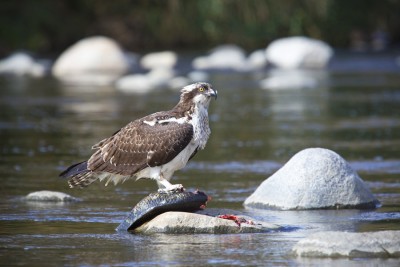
{"points": [[200, 126]]}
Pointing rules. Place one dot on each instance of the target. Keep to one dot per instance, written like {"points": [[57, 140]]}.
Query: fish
{"points": [[158, 203]]}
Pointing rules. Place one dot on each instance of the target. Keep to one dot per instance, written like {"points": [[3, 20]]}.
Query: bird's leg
{"points": [[167, 187]]}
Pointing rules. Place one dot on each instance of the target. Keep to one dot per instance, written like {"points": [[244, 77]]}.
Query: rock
{"points": [[91, 58], [299, 52], [165, 59], [257, 59], [314, 178], [157, 203], [192, 223], [135, 83], [22, 64], [160, 77], [344, 244], [224, 57], [144, 83], [50, 196]]}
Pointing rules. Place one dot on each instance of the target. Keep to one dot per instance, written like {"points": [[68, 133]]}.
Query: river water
{"points": [[46, 126]]}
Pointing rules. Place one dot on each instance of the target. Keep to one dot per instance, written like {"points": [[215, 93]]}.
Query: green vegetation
{"points": [[48, 26]]}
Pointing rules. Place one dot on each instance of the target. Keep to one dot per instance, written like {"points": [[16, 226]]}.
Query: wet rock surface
{"points": [[50, 196], [314, 178], [195, 223], [184, 213], [344, 244]]}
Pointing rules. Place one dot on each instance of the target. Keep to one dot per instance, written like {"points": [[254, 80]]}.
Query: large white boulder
{"points": [[344, 244], [298, 52], [314, 178], [91, 58], [22, 64]]}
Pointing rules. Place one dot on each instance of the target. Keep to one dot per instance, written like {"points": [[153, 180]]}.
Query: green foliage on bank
{"points": [[49, 26]]}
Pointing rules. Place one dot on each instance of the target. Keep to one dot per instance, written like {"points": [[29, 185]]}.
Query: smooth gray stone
{"points": [[50, 196], [314, 178], [192, 223], [344, 244]]}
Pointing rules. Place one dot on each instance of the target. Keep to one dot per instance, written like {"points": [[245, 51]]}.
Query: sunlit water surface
{"points": [[45, 126]]}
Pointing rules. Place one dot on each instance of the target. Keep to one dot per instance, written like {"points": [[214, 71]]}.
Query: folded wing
{"points": [[139, 145]]}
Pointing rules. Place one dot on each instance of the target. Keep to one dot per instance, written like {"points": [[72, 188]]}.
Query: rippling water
{"points": [[45, 126]]}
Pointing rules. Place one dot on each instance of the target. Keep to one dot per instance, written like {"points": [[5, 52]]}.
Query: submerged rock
{"points": [[299, 52], [50, 196], [192, 223], [90, 59], [314, 178], [334, 244]]}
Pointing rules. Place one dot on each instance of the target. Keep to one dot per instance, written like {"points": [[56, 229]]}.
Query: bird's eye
{"points": [[201, 89]]}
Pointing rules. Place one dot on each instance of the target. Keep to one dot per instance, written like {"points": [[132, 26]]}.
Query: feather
{"points": [[75, 169], [143, 147]]}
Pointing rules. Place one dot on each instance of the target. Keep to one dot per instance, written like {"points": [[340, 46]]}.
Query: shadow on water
{"points": [[45, 126]]}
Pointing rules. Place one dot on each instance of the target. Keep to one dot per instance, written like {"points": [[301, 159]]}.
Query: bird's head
{"points": [[198, 94]]}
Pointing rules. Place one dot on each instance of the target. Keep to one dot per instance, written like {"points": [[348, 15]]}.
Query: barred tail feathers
{"points": [[79, 174], [82, 179]]}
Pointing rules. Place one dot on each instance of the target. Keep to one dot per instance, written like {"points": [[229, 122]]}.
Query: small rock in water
{"points": [[344, 244], [155, 60], [221, 58], [314, 178], [135, 83], [50, 196], [257, 59], [22, 64]]}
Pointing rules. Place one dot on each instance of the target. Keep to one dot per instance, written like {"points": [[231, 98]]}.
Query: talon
{"points": [[172, 189]]}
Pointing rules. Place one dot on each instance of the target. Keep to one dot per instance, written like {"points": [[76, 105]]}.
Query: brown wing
{"points": [[139, 145]]}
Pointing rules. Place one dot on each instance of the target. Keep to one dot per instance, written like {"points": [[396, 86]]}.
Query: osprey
{"points": [[153, 147]]}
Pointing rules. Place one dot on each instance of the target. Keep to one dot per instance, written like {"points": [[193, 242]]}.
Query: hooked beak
{"points": [[213, 93]]}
